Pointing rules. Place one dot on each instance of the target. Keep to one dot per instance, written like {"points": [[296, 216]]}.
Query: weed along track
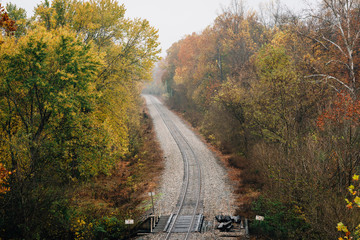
{"points": [[189, 206]]}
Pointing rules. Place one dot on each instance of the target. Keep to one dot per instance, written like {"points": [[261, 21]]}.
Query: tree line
{"points": [[70, 82], [279, 92]]}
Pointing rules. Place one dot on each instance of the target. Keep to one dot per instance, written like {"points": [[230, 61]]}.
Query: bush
{"points": [[281, 221]]}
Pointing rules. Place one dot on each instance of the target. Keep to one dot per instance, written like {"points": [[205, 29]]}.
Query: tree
{"points": [[129, 48], [339, 125], [234, 31], [5, 22], [45, 79], [170, 68], [47, 123], [19, 16], [69, 109], [335, 29], [8, 25], [270, 13], [276, 94]]}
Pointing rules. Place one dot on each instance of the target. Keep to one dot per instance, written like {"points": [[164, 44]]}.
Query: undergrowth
{"points": [[99, 208]]}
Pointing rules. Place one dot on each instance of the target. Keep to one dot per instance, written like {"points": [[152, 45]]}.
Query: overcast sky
{"points": [[173, 18]]}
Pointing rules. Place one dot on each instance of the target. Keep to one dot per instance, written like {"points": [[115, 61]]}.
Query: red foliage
{"points": [[344, 109], [4, 175]]}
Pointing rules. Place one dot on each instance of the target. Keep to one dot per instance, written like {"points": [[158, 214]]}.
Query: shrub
{"points": [[281, 221]]}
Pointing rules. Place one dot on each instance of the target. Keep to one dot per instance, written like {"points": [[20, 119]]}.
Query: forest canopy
{"points": [[70, 82], [279, 92]]}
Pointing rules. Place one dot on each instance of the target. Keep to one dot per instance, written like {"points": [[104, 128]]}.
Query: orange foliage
{"points": [[344, 108], [5, 22], [188, 49]]}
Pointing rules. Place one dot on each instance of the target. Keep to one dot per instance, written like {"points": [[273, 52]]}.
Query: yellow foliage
{"points": [[81, 229], [352, 233]]}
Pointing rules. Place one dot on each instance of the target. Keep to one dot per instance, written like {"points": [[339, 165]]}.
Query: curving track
{"points": [[190, 196], [193, 182]]}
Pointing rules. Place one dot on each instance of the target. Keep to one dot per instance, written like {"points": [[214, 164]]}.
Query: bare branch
{"points": [[355, 39], [312, 38], [334, 44], [326, 77], [338, 61]]}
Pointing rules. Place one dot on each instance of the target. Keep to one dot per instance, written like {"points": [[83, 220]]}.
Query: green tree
{"points": [[19, 16], [47, 104], [129, 48], [69, 108]]}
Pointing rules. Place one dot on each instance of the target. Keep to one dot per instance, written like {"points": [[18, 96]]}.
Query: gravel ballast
{"points": [[217, 192]]}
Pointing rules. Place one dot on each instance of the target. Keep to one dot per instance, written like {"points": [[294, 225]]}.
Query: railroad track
{"points": [[190, 195]]}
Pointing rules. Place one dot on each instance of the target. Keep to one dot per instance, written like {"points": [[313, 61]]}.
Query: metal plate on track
{"points": [[182, 223]]}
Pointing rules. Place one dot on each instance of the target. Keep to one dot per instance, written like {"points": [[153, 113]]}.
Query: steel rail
{"points": [[173, 131]]}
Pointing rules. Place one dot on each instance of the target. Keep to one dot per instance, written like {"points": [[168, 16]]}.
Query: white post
{"points": [[151, 224]]}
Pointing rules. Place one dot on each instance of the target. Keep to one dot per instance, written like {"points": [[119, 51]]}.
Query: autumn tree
{"points": [[46, 83], [169, 67], [335, 31], [339, 125], [6, 23], [236, 40], [259, 88], [129, 48], [70, 94], [19, 16]]}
